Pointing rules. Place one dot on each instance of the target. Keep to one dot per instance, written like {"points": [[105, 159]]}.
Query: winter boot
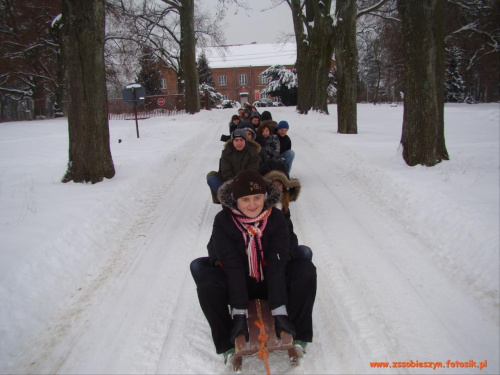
{"points": [[300, 347], [228, 355]]}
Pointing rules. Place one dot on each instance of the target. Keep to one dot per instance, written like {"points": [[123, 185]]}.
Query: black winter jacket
{"points": [[228, 247]]}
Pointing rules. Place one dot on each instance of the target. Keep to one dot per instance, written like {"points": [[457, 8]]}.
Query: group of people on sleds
{"points": [[253, 251]]}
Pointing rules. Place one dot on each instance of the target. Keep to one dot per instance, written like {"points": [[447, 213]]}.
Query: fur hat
{"points": [[290, 184], [266, 115], [239, 133], [282, 125], [248, 182], [226, 196]]}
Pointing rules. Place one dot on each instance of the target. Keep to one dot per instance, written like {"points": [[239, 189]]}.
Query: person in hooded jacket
{"points": [[239, 153], [255, 120], [250, 259], [290, 190], [285, 144]]}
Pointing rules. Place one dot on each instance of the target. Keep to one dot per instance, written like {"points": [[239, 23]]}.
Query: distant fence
{"points": [[154, 105]]}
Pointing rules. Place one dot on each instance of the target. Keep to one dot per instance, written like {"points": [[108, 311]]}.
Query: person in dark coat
{"points": [[249, 259], [267, 118], [255, 120], [233, 124], [285, 144], [290, 190], [270, 153], [239, 153]]}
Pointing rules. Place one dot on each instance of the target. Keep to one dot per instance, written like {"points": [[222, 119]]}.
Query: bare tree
{"points": [[83, 51], [314, 36], [172, 31], [422, 137], [473, 43], [29, 54], [346, 58]]}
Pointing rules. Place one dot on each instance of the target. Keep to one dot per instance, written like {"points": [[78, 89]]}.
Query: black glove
{"points": [[238, 327], [282, 323]]}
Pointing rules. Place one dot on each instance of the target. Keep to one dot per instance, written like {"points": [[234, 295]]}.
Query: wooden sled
{"points": [[258, 313]]}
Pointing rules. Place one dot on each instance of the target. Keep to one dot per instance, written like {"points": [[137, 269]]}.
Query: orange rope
{"points": [[263, 352]]}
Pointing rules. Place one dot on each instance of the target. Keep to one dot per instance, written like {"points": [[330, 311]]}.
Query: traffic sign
{"points": [[160, 101], [134, 93]]}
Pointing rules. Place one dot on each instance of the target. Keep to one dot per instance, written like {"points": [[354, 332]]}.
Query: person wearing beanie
{"points": [[267, 119], [249, 259], [285, 144], [238, 154], [266, 115]]}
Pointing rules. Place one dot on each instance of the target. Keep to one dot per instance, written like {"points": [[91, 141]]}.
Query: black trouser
{"points": [[212, 293]]}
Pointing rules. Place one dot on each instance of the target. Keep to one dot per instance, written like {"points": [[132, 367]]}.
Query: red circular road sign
{"points": [[160, 101]]}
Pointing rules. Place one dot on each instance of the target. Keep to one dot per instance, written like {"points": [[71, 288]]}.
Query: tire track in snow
{"points": [[378, 292], [77, 327]]}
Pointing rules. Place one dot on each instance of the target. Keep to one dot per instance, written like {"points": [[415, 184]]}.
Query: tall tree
{"points": [[204, 71], [346, 59], [149, 76], [29, 54], [423, 119], [83, 51], [313, 26], [187, 70]]}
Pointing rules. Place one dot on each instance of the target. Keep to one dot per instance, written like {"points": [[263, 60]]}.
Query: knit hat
{"points": [[266, 115], [282, 125], [248, 182], [239, 133]]}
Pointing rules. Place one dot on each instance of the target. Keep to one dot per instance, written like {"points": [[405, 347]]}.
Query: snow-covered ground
{"points": [[95, 278]]}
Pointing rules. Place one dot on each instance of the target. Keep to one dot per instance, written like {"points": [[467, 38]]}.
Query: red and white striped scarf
{"points": [[252, 230]]}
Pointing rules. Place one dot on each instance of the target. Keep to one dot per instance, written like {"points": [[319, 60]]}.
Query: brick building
{"points": [[236, 69]]}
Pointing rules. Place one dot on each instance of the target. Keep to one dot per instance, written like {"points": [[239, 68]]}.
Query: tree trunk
{"points": [[83, 50], [314, 54], [423, 119], [346, 58], [188, 57]]}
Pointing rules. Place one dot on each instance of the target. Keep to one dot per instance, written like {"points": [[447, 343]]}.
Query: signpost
{"points": [[134, 94], [160, 101]]}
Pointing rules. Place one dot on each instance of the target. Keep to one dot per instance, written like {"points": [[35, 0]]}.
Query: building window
{"points": [[243, 79], [263, 79], [163, 83], [222, 80], [225, 97]]}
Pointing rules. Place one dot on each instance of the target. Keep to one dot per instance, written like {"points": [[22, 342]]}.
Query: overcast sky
{"points": [[255, 25]]}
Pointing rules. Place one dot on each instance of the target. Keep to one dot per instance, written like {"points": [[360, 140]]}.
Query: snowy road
{"points": [[383, 295]]}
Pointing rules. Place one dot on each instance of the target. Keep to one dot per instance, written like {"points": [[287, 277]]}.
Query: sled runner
{"points": [[263, 338]]}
